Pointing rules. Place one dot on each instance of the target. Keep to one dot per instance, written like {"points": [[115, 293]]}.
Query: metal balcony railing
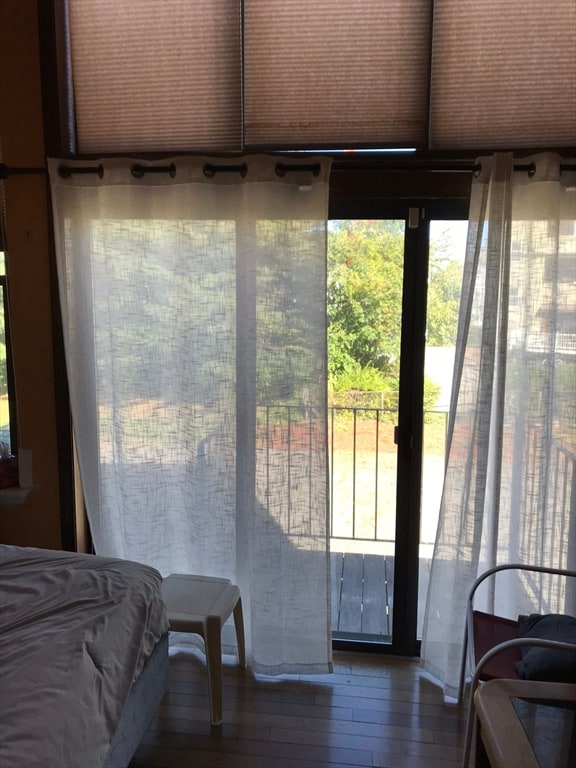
{"points": [[362, 466]]}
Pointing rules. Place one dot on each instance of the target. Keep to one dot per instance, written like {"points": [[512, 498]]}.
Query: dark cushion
{"points": [[544, 663], [490, 630]]}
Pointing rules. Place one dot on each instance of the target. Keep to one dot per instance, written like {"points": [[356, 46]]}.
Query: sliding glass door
{"points": [[447, 248], [393, 295], [365, 279]]}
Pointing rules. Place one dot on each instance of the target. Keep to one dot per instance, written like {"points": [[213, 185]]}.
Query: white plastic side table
{"points": [[201, 605]]}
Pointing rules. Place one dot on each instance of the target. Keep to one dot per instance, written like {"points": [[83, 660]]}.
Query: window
{"points": [[8, 465]]}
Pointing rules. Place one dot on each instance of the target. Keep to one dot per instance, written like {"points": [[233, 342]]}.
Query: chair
{"points": [[493, 645], [201, 605]]}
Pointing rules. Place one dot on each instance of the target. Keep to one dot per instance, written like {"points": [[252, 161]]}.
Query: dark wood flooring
{"points": [[374, 710]]}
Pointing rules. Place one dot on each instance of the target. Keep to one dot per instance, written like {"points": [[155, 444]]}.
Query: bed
{"points": [[83, 658]]}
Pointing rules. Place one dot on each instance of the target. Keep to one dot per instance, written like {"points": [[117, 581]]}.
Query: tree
{"points": [[365, 261], [444, 290], [3, 370]]}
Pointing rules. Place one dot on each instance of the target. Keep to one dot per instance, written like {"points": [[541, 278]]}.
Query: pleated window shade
{"points": [[156, 74], [503, 74], [336, 73], [164, 75]]}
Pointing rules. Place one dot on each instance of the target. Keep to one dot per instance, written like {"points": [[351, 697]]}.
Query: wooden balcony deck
{"points": [[363, 594]]}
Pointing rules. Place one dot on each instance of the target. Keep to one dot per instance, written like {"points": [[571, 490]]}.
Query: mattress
{"points": [[142, 705], [75, 632]]}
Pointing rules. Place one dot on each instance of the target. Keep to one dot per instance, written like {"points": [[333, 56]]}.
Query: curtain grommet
{"points": [[139, 171], [65, 171], [210, 170]]}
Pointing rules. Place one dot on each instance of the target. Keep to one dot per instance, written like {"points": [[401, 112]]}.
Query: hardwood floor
{"points": [[373, 710]]}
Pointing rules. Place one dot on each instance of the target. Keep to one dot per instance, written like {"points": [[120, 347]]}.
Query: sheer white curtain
{"points": [[193, 301], [510, 484]]}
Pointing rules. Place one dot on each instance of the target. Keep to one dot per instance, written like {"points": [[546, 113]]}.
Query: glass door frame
{"points": [[417, 213]]}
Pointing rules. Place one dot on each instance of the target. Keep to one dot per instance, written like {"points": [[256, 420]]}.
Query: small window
{"points": [[8, 464]]}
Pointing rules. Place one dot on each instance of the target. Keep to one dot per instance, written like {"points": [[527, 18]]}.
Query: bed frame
{"points": [[140, 708]]}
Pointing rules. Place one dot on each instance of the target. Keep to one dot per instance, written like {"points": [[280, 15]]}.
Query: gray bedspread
{"points": [[75, 631]]}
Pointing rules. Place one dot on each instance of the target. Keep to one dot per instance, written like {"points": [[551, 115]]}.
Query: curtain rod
{"points": [[138, 170], [454, 167], [210, 169], [7, 170]]}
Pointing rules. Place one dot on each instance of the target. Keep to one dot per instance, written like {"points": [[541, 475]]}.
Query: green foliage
{"points": [[183, 279], [288, 371], [431, 394], [363, 387], [365, 281], [173, 287], [367, 387], [4, 403], [444, 290], [3, 369], [354, 376], [364, 294]]}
